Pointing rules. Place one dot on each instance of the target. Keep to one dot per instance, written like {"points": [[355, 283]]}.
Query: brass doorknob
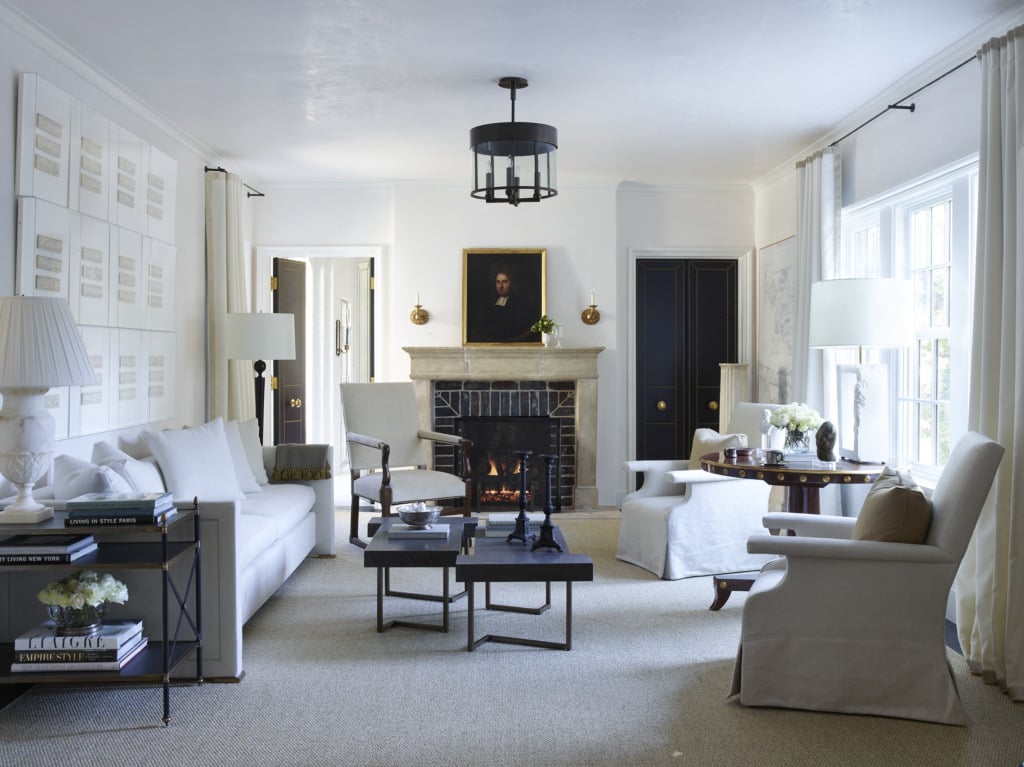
{"points": [[295, 402], [662, 405], [712, 405]]}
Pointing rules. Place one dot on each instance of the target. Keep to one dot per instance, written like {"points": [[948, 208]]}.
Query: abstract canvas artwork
{"points": [[776, 320]]}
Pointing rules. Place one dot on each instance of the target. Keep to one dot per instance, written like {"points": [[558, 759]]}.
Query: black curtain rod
{"points": [[251, 193], [899, 104]]}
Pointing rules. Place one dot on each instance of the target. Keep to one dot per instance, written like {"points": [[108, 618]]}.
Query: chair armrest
{"points": [[830, 548], [697, 477], [811, 525], [656, 480], [448, 439], [362, 439]]}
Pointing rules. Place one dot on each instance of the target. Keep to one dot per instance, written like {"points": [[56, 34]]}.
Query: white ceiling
{"points": [[649, 91]]}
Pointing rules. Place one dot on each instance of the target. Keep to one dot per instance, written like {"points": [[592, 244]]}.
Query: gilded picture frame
{"points": [[504, 291]]}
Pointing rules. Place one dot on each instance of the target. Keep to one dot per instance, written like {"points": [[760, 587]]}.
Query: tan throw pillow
{"points": [[895, 510], [710, 441]]}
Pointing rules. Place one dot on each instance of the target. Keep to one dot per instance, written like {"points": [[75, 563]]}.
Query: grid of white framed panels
{"points": [[96, 224]]}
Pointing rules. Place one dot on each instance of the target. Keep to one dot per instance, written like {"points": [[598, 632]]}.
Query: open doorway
{"points": [[339, 337]]}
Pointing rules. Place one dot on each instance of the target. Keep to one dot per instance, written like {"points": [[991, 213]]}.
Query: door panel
{"points": [[686, 327], [290, 395]]}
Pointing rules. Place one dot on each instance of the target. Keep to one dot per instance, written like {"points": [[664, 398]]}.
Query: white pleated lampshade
{"points": [[874, 312], [40, 345]]}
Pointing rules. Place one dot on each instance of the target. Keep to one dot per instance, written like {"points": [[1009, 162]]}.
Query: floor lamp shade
{"points": [[40, 347], [259, 336], [860, 312]]}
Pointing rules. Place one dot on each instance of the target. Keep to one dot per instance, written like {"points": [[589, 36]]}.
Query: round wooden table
{"points": [[802, 476]]}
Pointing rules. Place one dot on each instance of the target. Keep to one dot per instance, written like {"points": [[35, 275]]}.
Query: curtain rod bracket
{"points": [[910, 108]]}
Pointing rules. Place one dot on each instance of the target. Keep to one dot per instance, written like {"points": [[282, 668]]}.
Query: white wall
{"points": [[24, 51], [587, 232], [895, 149]]}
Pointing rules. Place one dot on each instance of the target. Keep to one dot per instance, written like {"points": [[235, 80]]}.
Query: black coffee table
{"points": [[494, 560], [384, 553]]}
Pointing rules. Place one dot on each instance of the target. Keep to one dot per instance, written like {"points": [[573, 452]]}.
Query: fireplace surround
{"points": [[567, 374]]}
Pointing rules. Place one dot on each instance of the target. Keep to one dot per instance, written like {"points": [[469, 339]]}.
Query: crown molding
{"points": [[967, 47], [68, 57]]}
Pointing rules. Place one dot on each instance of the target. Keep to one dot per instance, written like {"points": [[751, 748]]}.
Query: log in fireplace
{"points": [[496, 469]]}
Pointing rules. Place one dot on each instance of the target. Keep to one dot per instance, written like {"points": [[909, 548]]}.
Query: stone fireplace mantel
{"points": [[520, 363]]}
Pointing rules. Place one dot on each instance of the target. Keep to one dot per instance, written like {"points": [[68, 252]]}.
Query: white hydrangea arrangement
{"points": [[796, 416], [84, 588]]}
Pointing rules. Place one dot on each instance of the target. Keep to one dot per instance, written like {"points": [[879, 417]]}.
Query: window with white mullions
{"points": [[923, 231]]}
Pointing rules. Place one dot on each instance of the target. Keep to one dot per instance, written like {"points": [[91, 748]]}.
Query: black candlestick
{"points": [[547, 530], [522, 529]]}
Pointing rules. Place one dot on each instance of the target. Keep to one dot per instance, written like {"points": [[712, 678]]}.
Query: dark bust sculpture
{"points": [[825, 439]]}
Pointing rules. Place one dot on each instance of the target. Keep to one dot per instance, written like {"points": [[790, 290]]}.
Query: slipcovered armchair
{"points": [[685, 522], [856, 625], [388, 452]]}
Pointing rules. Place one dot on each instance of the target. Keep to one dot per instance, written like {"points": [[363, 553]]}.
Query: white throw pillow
{"points": [[73, 477], [196, 462], [243, 472], [710, 441], [142, 475], [250, 434]]}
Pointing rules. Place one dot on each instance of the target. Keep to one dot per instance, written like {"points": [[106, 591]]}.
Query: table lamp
{"points": [[859, 312], [259, 336], [40, 347]]}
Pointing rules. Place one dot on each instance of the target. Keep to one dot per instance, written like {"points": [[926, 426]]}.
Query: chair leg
{"points": [[353, 534]]}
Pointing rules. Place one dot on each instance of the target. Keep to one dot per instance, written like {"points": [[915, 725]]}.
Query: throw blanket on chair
{"points": [[300, 461]]}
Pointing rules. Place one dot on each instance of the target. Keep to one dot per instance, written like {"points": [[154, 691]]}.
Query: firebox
{"points": [[497, 479]]}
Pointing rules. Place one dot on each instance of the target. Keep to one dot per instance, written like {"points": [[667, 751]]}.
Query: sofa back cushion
{"points": [[196, 462], [73, 477], [142, 475], [243, 471]]}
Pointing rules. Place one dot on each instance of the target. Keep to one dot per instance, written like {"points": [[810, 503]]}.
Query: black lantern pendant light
{"points": [[513, 162]]}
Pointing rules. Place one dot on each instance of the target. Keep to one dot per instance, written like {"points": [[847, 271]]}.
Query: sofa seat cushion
{"points": [[283, 504], [256, 534]]}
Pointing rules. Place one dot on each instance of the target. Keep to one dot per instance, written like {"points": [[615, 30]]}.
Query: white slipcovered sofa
{"points": [[685, 522], [255, 530]]}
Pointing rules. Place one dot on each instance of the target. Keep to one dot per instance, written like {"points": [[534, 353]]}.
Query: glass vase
{"points": [[797, 441], [77, 621]]}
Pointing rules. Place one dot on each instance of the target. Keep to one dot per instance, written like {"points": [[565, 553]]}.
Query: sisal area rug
{"points": [[645, 684]]}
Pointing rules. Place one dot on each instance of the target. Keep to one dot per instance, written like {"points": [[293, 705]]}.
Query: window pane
{"points": [[920, 251], [925, 435], [921, 299], [925, 365], [939, 304], [940, 233], [942, 362], [944, 431]]}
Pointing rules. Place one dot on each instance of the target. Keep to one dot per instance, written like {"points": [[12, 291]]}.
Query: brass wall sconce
{"points": [[591, 316], [419, 315]]}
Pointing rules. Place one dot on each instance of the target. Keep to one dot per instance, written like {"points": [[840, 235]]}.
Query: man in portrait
{"points": [[507, 315]]}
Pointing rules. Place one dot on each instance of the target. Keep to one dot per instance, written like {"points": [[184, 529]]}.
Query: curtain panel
{"points": [[990, 584], [231, 391]]}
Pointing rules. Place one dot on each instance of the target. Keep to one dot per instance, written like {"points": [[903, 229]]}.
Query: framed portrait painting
{"points": [[504, 291]]}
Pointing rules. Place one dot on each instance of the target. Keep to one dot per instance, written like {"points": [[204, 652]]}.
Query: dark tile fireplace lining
{"points": [[496, 468], [480, 399]]}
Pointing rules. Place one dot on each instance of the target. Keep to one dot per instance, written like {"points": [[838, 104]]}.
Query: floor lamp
{"points": [[259, 337], [40, 347], [854, 313]]}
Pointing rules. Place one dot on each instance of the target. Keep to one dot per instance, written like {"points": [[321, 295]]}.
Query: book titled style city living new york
{"points": [[121, 501]]}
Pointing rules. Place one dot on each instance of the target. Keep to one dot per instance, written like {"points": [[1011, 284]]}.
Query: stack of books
{"points": [[499, 524], [43, 649], [402, 530], [97, 509], [58, 548]]}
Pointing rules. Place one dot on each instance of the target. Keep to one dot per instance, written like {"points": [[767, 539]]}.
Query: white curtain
{"points": [[819, 202], [323, 417], [990, 584], [231, 392]]}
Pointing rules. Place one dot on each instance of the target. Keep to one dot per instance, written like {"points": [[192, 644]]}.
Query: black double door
{"points": [[686, 327]]}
